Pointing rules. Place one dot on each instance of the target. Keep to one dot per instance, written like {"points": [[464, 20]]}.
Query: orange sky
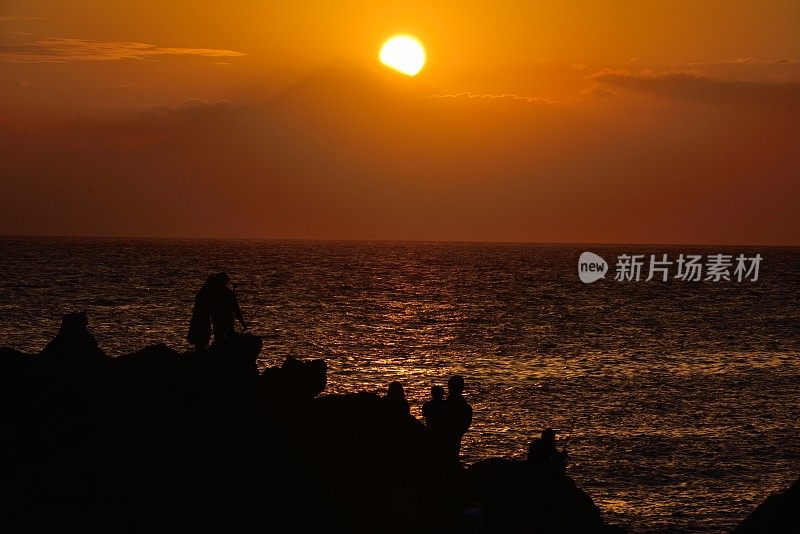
{"points": [[657, 121]]}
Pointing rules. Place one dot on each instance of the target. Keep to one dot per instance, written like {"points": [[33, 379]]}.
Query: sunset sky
{"points": [[548, 121]]}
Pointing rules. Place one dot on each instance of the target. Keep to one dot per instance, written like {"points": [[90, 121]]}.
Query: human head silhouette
{"points": [[455, 386], [395, 391], [217, 280], [437, 392], [548, 435]]}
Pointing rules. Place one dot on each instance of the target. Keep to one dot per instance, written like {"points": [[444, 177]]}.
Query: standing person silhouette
{"points": [[433, 409], [435, 413], [200, 324], [217, 308], [224, 308], [458, 414], [396, 400]]}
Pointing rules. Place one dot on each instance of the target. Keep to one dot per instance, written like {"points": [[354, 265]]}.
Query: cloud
{"points": [[750, 61], [200, 109], [701, 88], [167, 116], [19, 19], [135, 127], [599, 91], [56, 50], [504, 96]]}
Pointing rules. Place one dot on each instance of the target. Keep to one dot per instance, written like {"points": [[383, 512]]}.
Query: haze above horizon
{"points": [[596, 122]]}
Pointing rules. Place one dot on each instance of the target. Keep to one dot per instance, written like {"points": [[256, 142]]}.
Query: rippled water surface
{"points": [[681, 398]]}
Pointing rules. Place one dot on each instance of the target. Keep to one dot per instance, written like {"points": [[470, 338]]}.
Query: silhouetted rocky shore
{"points": [[779, 513], [162, 441]]}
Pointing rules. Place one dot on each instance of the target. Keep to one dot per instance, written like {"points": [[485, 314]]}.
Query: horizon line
{"points": [[387, 240]]}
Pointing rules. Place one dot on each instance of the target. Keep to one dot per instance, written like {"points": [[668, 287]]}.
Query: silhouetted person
{"points": [[200, 324], [74, 340], [215, 307], [544, 456], [225, 309], [433, 410], [396, 400], [458, 417]]}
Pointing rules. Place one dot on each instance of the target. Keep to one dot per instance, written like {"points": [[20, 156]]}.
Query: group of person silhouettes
{"points": [[447, 418], [216, 311]]}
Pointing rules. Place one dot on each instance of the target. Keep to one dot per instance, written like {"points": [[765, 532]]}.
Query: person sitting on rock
{"points": [[544, 456], [458, 417], [396, 400], [74, 340]]}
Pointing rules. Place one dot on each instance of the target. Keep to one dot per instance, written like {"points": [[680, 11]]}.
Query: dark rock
{"points": [[515, 497], [18, 382], [294, 382], [378, 471], [778, 514], [162, 441], [152, 441]]}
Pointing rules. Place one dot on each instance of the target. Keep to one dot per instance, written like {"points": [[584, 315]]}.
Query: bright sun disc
{"points": [[403, 53]]}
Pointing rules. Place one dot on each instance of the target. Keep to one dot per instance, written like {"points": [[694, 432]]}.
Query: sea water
{"points": [[679, 398]]}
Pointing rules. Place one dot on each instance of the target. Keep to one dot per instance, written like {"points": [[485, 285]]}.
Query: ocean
{"points": [[679, 398]]}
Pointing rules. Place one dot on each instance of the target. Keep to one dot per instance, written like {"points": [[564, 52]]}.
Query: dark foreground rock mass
{"points": [[778, 514], [159, 441], [514, 493]]}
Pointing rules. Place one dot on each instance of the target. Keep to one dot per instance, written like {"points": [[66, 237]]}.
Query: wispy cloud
{"points": [[57, 50], [19, 18], [503, 96], [199, 108], [700, 88], [750, 61], [599, 91], [127, 127]]}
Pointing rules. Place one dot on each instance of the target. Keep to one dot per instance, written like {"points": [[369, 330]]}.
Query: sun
{"points": [[403, 53]]}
